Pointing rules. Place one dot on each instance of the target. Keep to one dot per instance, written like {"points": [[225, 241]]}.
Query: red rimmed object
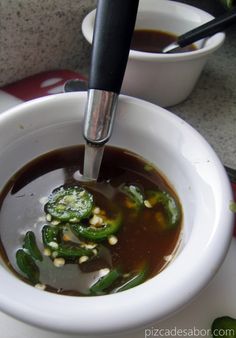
{"points": [[42, 84]]}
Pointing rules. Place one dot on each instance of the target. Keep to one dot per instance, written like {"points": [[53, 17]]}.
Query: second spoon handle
{"points": [[211, 27]]}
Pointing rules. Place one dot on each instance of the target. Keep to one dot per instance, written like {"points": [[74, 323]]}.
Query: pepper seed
{"points": [[96, 211], [96, 220], [83, 259], [54, 254], [47, 252], [168, 258], [48, 217], [112, 240], [103, 272], [40, 286], [55, 222], [95, 252], [53, 245], [59, 262], [147, 204]]}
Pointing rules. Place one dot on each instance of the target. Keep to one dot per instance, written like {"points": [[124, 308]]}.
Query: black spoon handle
{"points": [[211, 27], [114, 25]]}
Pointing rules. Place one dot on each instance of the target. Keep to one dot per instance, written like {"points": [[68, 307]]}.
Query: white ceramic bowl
{"points": [[179, 152], [164, 79]]}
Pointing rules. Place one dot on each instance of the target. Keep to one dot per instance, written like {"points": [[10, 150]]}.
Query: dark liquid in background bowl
{"points": [[140, 239], [154, 41]]}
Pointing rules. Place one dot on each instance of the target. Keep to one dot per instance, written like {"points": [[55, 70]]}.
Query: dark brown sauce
{"points": [[140, 239], [154, 41]]}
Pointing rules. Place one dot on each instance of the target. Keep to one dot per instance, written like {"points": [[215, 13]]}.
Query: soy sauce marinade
{"points": [[53, 254], [154, 41]]}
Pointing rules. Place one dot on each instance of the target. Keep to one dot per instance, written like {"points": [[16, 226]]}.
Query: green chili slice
{"points": [[110, 227], [135, 195], [31, 245], [51, 239], [70, 204], [50, 234], [168, 202], [134, 280], [69, 251], [27, 265], [105, 282], [224, 327], [228, 4]]}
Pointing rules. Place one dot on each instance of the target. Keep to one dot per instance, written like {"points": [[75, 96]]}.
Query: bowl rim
{"points": [[61, 313], [213, 43]]}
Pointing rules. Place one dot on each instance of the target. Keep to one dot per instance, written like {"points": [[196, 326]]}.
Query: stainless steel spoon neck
{"points": [[99, 116]]}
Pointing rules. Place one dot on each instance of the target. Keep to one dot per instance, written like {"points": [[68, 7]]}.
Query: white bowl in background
{"points": [[164, 79], [192, 168]]}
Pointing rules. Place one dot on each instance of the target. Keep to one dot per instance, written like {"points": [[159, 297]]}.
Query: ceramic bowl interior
{"points": [[192, 168]]}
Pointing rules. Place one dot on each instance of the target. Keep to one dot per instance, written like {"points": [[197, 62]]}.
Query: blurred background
{"points": [[37, 36]]}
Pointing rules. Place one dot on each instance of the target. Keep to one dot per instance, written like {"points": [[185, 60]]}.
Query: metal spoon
{"points": [[208, 29], [114, 25]]}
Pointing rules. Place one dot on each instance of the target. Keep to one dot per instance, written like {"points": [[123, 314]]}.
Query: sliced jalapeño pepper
{"points": [[31, 245], [27, 265], [224, 327], [133, 280], [51, 239], [69, 251], [135, 195], [70, 204], [168, 202], [110, 227], [105, 282], [50, 234]]}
